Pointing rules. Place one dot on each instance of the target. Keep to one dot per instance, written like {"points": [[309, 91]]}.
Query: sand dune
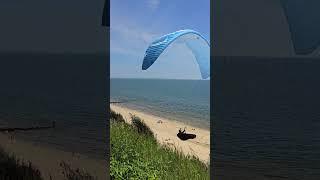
{"points": [[166, 132], [47, 159]]}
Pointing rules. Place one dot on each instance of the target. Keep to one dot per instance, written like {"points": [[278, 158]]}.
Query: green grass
{"points": [[135, 154]]}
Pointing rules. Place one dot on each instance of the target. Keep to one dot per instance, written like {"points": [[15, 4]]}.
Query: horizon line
{"points": [[47, 52], [157, 78]]}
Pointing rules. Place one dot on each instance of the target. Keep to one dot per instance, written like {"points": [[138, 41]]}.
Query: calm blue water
{"points": [[71, 89], [266, 122], [182, 100]]}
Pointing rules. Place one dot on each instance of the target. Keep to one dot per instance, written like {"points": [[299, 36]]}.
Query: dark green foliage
{"points": [[74, 174], [116, 117], [135, 154], [141, 127], [14, 168]]}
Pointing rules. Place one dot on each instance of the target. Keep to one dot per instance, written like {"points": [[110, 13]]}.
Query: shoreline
{"points": [[175, 118], [47, 159], [165, 132]]}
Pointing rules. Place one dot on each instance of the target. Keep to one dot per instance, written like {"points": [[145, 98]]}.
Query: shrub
{"points": [[140, 126], [74, 174], [116, 117], [14, 168]]}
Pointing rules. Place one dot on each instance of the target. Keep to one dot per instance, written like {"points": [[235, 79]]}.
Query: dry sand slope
{"points": [[166, 133], [47, 159]]}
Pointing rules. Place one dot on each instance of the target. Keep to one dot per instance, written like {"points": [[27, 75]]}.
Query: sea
{"points": [[186, 101], [70, 89], [265, 112], [265, 118]]}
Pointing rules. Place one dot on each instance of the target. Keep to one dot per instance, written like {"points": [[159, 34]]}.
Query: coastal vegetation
{"points": [[136, 154], [12, 167], [70, 173]]}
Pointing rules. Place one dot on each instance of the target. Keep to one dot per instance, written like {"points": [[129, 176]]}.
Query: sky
{"points": [[52, 26], [135, 24], [272, 28]]}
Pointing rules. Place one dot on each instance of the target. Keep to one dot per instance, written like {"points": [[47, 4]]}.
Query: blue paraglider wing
{"points": [[303, 19], [106, 14], [193, 40]]}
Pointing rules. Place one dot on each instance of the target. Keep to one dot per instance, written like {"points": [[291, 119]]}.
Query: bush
{"points": [[140, 126], [74, 174], [14, 168], [116, 117]]}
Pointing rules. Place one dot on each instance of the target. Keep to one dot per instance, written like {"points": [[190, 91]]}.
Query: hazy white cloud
{"points": [[133, 33], [130, 39], [130, 36], [118, 49], [153, 4]]}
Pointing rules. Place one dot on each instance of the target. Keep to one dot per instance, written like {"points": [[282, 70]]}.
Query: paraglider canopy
{"points": [[198, 45], [106, 14], [303, 19]]}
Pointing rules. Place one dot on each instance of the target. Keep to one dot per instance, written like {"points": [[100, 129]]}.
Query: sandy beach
{"points": [[47, 159], [166, 131]]}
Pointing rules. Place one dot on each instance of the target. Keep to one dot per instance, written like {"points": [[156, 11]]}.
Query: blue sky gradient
{"points": [[135, 24]]}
